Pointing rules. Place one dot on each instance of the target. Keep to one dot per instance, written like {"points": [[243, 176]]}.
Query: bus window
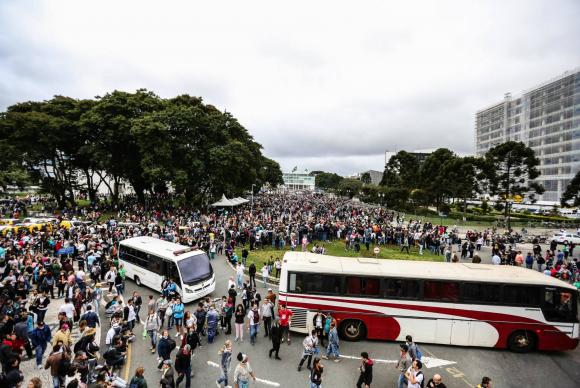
{"points": [[362, 286], [296, 282], [441, 290], [321, 284], [401, 288], [481, 293], [559, 305], [171, 272], [520, 295]]}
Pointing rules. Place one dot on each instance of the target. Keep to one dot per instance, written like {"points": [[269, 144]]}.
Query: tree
{"points": [[366, 178], [436, 182], [463, 175], [402, 171], [572, 192], [510, 169], [349, 187], [328, 180]]}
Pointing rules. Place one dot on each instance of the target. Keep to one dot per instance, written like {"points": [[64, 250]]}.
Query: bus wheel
{"points": [[137, 281], [522, 341], [353, 330]]}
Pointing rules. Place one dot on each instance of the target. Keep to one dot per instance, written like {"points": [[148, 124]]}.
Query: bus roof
{"points": [[162, 248], [311, 262]]}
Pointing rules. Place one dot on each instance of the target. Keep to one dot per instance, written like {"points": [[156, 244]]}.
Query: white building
{"points": [[545, 118], [298, 181]]}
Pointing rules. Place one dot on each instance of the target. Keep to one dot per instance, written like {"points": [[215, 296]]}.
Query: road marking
{"points": [[128, 363], [265, 382], [453, 371], [432, 362], [374, 360]]}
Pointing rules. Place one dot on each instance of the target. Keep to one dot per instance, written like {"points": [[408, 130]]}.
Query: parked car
{"points": [[563, 238]]}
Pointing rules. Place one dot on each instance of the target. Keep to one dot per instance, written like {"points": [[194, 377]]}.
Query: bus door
{"points": [[170, 271]]}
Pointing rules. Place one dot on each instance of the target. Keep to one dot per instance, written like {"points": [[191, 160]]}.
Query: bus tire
{"points": [[353, 330], [522, 341], [137, 280]]}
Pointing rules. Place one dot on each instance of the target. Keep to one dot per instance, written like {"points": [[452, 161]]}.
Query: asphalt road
{"points": [[459, 366]]}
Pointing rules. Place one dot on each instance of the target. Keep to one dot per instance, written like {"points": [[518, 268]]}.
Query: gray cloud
{"points": [[324, 85]]}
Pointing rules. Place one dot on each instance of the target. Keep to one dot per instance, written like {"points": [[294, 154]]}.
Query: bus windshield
{"points": [[560, 305], [195, 269]]}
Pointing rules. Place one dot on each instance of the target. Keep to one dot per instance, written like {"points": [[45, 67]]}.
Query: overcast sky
{"points": [[320, 84]]}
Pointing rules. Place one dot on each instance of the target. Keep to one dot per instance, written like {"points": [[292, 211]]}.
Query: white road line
{"points": [[265, 382], [428, 362]]}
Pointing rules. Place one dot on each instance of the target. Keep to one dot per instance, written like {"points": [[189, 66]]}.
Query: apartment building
{"points": [[547, 119]]}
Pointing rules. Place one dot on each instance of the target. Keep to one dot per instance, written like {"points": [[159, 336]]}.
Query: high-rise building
{"points": [[545, 118]]}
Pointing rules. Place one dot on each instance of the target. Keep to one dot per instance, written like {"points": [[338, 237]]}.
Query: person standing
{"points": [[403, 364], [485, 383], [53, 362], [435, 382], [137, 303], [183, 366], [252, 274], [309, 345], [41, 306], [265, 275], [333, 348], [167, 380], [243, 372], [164, 348], [316, 373], [239, 275], [366, 371], [225, 362], [318, 321], [414, 375], [276, 337], [40, 337], [253, 323], [178, 309], [266, 312], [138, 381], [285, 316], [161, 305], [278, 267], [153, 325], [239, 316]]}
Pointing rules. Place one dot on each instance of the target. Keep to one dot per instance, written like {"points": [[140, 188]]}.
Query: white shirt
{"points": [[496, 260], [265, 271], [418, 377], [68, 309]]}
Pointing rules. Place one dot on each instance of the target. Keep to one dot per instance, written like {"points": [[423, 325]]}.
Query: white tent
{"points": [[239, 200], [223, 202]]}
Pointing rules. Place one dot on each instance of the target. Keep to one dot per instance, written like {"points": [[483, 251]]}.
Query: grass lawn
{"points": [[336, 248]]}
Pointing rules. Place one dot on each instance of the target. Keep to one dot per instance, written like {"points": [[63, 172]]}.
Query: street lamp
{"points": [[381, 197], [252, 205]]}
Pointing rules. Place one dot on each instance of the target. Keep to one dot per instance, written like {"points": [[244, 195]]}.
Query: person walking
{"points": [[403, 364], [366, 371], [243, 372], [167, 380], [239, 316], [183, 366], [414, 375], [53, 363], [333, 348], [285, 316], [152, 325], [316, 373], [276, 337], [212, 319], [164, 348], [252, 274], [309, 345], [138, 381], [40, 337], [225, 362]]}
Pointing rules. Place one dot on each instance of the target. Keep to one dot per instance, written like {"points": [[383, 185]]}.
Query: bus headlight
{"points": [[188, 291]]}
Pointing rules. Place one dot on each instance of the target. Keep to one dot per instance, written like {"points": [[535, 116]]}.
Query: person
{"points": [[178, 311], [485, 383], [243, 372], [41, 306], [53, 363], [212, 319], [403, 364], [161, 306], [253, 323], [414, 375], [252, 274], [164, 348], [153, 325], [129, 314], [333, 348], [239, 275], [183, 366], [318, 321], [225, 362], [40, 337], [239, 316], [167, 380], [138, 381], [435, 382], [265, 275], [266, 313], [412, 347], [137, 303], [228, 313], [278, 267], [34, 382], [62, 335], [316, 373], [285, 316], [309, 345], [276, 337], [90, 317], [366, 371]]}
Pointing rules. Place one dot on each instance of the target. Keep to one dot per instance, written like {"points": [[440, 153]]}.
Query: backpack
{"points": [[135, 383], [422, 381], [418, 352], [172, 344], [256, 317]]}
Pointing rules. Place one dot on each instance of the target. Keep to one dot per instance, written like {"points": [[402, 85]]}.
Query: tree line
{"points": [[154, 144], [508, 170]]}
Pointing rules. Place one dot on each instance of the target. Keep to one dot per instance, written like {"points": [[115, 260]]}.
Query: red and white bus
{"points": [[441, 303]]}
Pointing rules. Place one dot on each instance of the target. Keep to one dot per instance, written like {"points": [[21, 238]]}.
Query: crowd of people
{"points": [[75, 266]]}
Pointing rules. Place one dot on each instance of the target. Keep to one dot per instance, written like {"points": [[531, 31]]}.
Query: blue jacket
{"points": [[164, 348], [40, 337], [178, 310]]}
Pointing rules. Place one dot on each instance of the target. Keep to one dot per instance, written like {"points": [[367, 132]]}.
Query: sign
{"points": [[376, 250]]}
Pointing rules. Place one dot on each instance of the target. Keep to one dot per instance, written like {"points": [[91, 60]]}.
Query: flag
{"points": [[295, 168]]}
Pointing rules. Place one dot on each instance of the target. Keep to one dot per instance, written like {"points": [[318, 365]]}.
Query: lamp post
{"points": [[252, 205]]}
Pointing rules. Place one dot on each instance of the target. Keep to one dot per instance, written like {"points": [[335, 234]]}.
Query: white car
{"points": [[562, 238]]}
